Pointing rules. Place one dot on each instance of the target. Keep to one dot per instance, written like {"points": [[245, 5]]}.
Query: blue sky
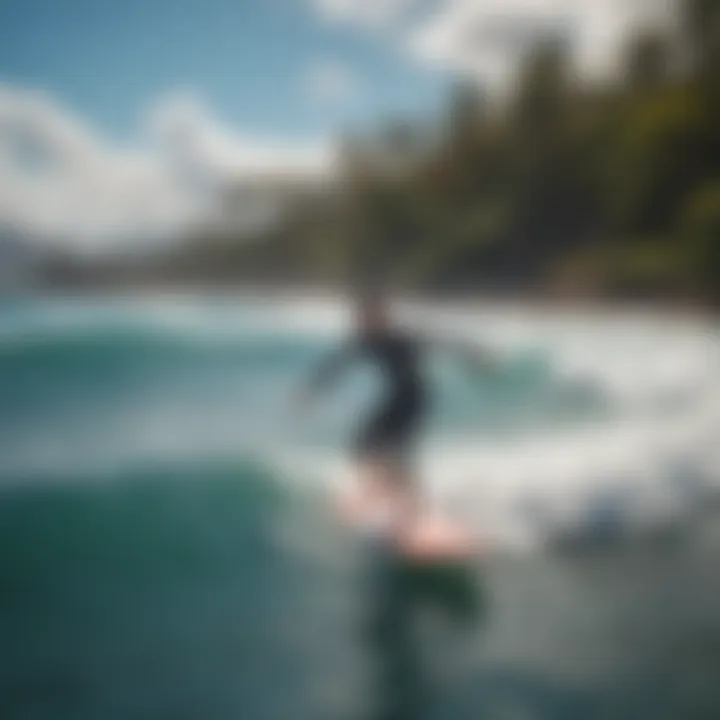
{"points": [[139, 115], [251, 60]]}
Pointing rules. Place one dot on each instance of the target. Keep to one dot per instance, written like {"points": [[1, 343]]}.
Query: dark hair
{"points": [[369, 299], [369, 286]]}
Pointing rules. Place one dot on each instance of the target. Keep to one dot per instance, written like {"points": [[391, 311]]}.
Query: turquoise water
{"points": [[166, 550]]}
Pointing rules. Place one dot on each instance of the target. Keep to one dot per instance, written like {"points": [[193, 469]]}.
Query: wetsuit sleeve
{"points": [[473, 354], [330, 367]]}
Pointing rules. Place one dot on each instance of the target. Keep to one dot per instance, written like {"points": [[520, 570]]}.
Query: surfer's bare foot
{"points": [[420, 536], [430, 537]]}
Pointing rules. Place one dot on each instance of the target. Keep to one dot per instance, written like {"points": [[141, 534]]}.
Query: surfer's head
{"points": [[372, 312]]}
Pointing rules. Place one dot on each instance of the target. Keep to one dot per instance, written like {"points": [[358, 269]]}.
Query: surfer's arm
{"points": [[327, 371], [476, 356]]}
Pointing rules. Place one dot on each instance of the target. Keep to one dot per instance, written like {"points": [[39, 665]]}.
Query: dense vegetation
{"points": [[610, 189]]}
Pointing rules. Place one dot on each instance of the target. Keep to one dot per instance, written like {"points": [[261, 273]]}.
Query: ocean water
{"points": [[166, 549]]}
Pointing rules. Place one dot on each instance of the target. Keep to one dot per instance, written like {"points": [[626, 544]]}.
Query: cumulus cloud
{"points": [[184, 131], [62, 182]]}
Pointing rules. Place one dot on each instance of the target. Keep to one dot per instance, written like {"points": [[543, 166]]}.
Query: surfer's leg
{"points": [[386, 444], [384, 496]]}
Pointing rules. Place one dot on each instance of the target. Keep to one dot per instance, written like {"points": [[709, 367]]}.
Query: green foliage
{"points": [[656, 159], [700, 230]]}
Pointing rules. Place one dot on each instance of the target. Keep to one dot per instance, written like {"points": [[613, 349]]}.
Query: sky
{"points": [[122, 121]]}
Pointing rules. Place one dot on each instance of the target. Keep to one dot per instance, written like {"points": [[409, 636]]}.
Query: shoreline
{"points": [[464, 300]]}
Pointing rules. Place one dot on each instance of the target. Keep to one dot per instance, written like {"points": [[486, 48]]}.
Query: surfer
{"points": [[416, 559], [386, 496]]}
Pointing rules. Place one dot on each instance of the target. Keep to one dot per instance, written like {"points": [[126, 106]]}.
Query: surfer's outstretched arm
{"points": [[328, 370], [476, 356]]}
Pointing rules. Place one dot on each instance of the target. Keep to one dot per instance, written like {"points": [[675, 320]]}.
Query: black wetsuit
{"points": [[393, 426]]}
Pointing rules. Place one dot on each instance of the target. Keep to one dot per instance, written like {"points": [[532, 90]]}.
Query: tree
{"points": [[700, 233], [648, 63], [543, 87], [700, 20]]}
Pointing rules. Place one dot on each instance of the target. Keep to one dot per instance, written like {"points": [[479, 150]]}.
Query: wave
{"points": [[588, 430], [132, 512], [115, 347], [192, 322], [629, 360], [593, 487]]}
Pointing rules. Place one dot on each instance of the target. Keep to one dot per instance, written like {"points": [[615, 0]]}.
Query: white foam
{"points": [[521, 491]]}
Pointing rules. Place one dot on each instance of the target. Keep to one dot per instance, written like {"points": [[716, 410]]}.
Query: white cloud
{"points": [[62, 182], [185, 133], [487, 38], [330, 82]]}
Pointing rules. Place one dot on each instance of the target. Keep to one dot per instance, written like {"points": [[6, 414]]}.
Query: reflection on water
{"points": [[400, 595]]}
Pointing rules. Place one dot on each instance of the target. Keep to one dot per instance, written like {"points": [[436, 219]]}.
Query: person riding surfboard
{"points": [[387, 496]]}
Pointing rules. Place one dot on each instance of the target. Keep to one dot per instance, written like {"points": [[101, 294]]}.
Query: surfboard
{"points": [[432, 559], [423, 535]]}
